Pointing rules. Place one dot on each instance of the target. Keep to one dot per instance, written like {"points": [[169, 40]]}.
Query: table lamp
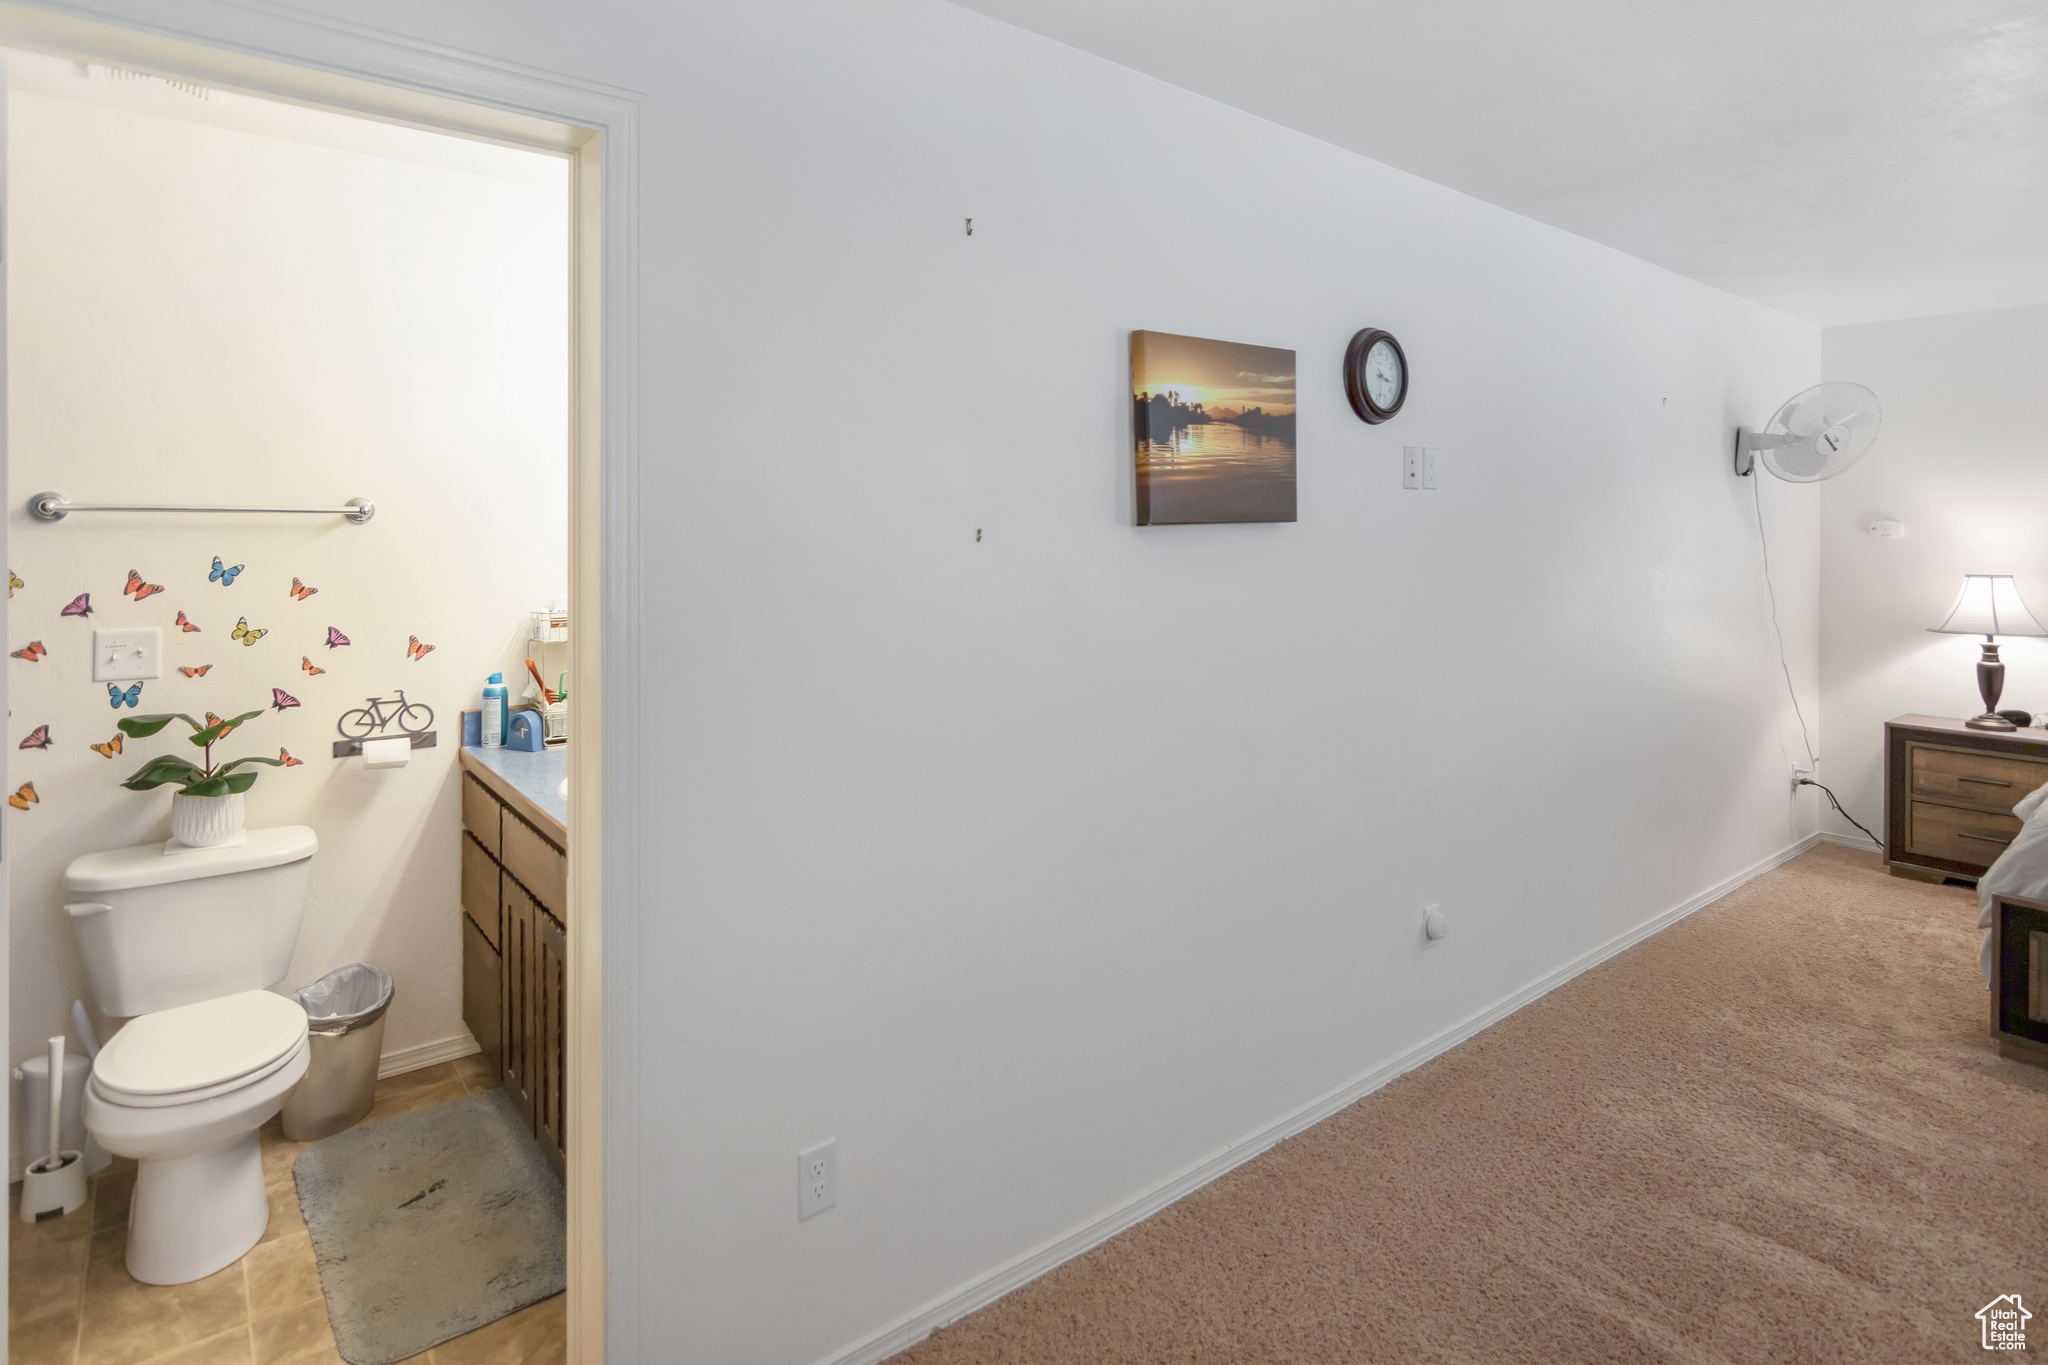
{"points": [[1989, 605]]}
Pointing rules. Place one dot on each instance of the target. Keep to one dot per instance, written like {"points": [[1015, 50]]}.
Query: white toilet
{"points": [[182, 944]]}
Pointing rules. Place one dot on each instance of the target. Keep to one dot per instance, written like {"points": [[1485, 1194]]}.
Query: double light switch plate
{"points": [[1418, 467], [126, 655]]}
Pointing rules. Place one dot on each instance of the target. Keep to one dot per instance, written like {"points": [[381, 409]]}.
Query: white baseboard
{"points": [[984, 1290], [401, 1060]]}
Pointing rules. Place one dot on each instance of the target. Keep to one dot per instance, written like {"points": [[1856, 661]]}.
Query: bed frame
{"points": [[2019, 978]]}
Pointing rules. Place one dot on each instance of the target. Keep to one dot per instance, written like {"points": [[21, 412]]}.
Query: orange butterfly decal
{"points": [[24, 798], [300, 592], [213, 720], [285, 756], [109, 749], [198, 672], [138, 589], [307, 664], [34, 651], [417, 651], [185, 625]]}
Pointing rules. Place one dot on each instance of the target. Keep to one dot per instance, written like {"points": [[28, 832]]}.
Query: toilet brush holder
{"points": [[53, 1186]]}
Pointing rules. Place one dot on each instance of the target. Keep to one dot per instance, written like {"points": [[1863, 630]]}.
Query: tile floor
{"points": [[72, 1302]]}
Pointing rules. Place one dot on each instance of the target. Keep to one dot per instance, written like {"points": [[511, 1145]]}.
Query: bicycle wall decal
{"points": [[413, 718]]}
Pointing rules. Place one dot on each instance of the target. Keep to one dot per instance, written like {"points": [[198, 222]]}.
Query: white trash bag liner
{"points": [[346, 999]]}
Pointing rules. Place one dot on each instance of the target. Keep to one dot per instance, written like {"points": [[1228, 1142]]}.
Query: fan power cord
{"points": [[1784, 666], [1809, 782]]}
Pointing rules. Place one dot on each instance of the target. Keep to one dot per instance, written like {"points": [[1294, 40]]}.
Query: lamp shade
{"points": [[1989, 604]]}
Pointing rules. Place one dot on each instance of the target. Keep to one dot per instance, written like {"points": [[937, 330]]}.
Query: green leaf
{"points": [[240, 782], [230, 767], [163, 769], [160, 770], [213, 732], [142, 727], [212, 786]]}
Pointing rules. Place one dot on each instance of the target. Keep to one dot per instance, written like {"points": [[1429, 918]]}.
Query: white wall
{"points": [[1959, 460], [1080, 852], [245, 302]]}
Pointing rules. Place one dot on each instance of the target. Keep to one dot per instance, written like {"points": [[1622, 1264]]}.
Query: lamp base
{"points": [[1990, 721]]}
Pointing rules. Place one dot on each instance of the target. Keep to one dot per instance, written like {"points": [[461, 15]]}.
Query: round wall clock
{"points": [[1375, 375]]}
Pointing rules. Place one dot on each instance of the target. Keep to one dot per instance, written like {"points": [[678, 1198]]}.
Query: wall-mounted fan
{"points": [[1815, 436]]}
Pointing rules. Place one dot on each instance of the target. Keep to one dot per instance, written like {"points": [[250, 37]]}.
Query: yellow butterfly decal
{"points": [[24, 798], [109, 749], [244, 634], [13, 582]]}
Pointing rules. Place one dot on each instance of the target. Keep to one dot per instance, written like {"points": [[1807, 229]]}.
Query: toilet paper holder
{"points": [[351, 748]]}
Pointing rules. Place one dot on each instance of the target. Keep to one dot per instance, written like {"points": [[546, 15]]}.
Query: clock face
{"points": [[1375, 375], [1383, 374]]}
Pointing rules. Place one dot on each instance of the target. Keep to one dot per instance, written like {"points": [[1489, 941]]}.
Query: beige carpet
{"points": [[1775, 1132]]}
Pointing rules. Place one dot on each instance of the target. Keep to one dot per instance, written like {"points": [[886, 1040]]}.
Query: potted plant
{"points": [[207, 808]]}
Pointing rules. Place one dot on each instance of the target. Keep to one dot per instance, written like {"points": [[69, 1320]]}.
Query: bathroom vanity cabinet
{"points": [[515, 897]]}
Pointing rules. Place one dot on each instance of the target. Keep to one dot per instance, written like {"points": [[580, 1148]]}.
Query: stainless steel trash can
{"points": [[345, 1016]]}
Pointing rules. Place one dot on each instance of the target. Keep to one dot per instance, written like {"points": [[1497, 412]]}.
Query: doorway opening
{"points": [[238, 284]]}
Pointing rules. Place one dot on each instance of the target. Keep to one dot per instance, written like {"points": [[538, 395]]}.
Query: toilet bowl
{"points": [[183, 1091], [181, 942]]}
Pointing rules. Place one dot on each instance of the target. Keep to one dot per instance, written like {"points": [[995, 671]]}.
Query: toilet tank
{"points": [[161, 929]]}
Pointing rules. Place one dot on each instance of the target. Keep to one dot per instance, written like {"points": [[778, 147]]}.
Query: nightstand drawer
{"points": [[1994, 781], [1966, 836]]}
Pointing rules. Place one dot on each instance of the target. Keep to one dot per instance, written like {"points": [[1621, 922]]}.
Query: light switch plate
{"points": [[1429, 467], [126, 655], [1411, 466]]}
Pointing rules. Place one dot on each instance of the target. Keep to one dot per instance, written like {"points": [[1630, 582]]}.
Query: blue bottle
{"points": [[494, 712]]}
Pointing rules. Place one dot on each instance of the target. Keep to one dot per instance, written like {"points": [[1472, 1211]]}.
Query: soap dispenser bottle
{"points": [[494, 712]]}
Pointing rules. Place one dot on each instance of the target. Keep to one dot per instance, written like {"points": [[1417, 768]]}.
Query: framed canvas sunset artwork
{"points": [[1213, 430]]}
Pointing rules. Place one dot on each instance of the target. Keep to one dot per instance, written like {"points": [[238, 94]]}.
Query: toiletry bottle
{"points": [[494, 712]]}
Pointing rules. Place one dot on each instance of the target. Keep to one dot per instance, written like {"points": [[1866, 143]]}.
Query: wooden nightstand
{"points": [[1949, 793]]}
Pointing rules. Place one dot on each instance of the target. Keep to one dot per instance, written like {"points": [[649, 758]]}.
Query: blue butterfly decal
{"points": [[222, 575], [116, 698]]}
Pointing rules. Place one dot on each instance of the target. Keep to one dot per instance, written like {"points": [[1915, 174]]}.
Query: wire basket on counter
{"points": [[549, 627]]}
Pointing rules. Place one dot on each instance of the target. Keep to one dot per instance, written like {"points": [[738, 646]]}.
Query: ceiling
{"points": [[1845, 161]]}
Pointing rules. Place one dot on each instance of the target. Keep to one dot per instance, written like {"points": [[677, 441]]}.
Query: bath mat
{"points": [[431, 1225]]}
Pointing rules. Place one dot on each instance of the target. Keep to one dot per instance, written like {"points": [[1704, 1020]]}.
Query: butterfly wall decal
{"points": [[222, 574], [244, 634], [81, 605], [13, 582], [284, 756], [117, 699], [32, 651], [109, 749], [335, 639], [300, 592], [24, 798], [197, 672], [417, 651], [307, 664], [213, 720], [280, 699], [138, 589], [185, 625], [38, 738]]}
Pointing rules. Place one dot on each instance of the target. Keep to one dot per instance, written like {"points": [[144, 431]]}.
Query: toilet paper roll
{"points": [[386, 753]]}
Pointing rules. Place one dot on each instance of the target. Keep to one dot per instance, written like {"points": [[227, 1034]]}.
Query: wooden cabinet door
{"points": [[521, 947], [480, 891], [550, 995], [482, 813], [481, 1005]]}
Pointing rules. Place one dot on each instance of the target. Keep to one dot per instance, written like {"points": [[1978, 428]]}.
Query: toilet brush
{"points": [[54, 1186]]}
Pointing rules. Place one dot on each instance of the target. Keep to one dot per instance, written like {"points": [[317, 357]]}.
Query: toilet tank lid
{"points": [[123, 869]]}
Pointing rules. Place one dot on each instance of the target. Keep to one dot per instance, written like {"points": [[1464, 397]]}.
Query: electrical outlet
{"points": [[1411, 466], [1429, 467], [817, 1178], [1799, 777], [126, 655]]}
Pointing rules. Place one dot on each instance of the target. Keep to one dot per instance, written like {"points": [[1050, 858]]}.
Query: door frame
{"points": [[262, 50]]}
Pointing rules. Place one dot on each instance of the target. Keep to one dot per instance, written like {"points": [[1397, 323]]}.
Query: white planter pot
{"points": [[203, 821]]}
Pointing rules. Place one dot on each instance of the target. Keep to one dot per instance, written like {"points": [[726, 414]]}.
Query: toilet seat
{"points": [[196, 1052]]}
